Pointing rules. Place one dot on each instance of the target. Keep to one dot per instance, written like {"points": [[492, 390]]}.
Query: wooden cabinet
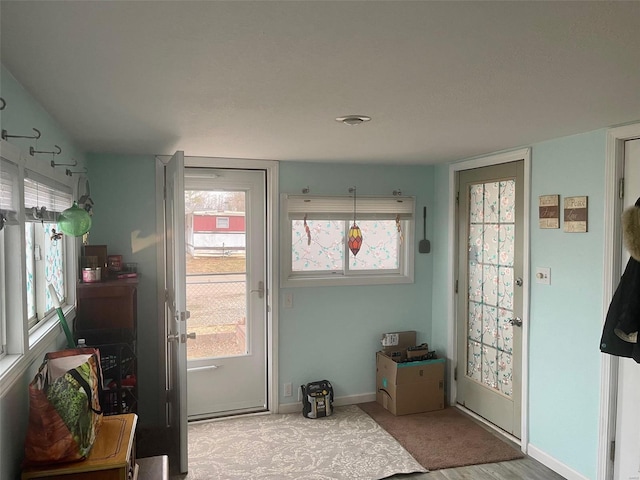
{"points": [[106, 318], [110, 305], [112, 457]]}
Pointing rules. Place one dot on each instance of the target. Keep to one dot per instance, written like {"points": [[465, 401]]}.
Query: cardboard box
{"points": [[411, 387], [395, 344]]}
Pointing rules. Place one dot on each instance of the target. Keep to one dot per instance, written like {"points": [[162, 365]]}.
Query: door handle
{"points": [[260, 289], [173, 337], [516, 322]]}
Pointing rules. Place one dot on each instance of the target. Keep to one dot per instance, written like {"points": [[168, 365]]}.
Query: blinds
{"points": [[341, 207], [40, 191], [8, 190]]}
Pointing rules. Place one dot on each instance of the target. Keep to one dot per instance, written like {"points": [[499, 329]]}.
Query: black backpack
{"points": [[317, 399]]}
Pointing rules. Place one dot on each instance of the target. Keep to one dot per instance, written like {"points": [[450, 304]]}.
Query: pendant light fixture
{"points": [[74, 221], [355, 235]]}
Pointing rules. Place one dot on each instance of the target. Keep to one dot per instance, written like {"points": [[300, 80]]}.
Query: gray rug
{"points": [[348, 445]]}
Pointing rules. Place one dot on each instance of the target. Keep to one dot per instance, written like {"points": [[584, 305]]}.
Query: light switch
{"points": [[288, 300], [543, 275]]}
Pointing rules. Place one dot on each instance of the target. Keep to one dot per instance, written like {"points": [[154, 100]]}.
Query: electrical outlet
{"points": [[288, 390]]}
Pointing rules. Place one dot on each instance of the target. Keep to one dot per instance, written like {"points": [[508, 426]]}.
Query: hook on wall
{"points": [[54, 164], [397, 193], [306, 190], [33, 151], [70, 172], [6, 134]]}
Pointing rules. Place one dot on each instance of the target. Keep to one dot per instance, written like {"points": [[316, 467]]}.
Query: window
{"points": [[8, 219], [31, 195], [44, 199], [315, 246], [222, 222]]}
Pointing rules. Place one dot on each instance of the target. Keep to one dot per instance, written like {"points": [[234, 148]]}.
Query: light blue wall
{"points": [[21, 114], [566, 317], [441, 243], [334, 332], [123, 189]]}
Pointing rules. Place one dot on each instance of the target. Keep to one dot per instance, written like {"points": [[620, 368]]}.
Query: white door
{"points": [[226, 291], [627, 460], [490, 270], [175, 312]]}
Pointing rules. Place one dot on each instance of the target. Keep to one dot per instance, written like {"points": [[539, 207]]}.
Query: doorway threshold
{"points": [[490, 426]]}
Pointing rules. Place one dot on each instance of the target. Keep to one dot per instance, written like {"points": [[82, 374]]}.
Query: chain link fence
{"points": [[217, 304]]}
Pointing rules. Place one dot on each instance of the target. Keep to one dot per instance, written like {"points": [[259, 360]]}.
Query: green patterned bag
{"points": [[64, 407]]}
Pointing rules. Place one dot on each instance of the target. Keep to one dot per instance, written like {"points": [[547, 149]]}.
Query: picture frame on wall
{"points": [[549, 211], [576, 214]]}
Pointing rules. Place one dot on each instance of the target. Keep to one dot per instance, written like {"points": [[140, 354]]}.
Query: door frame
{"points": [[614, 164], [272, 259], [452, 268]]}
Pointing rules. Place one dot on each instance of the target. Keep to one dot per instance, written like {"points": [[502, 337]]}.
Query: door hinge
{"points": [[456, 287], [457, 198], [455, 373], [621, 188], [612, 451], [166, 295]]}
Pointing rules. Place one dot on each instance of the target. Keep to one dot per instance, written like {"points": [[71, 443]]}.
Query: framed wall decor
{"points": [[549, 211], [576, 214]]}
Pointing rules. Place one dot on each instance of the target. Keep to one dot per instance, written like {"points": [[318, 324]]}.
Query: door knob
{"points": [[516, 322], [191, 335]]}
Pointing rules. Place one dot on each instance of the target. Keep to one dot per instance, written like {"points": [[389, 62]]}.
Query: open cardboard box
{"points": [[410, 387]]}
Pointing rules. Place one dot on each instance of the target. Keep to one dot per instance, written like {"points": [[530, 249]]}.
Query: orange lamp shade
{"points": [[355, 239]]}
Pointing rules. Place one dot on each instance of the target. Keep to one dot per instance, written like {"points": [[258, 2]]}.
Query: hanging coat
{"points": [[620, 333]]}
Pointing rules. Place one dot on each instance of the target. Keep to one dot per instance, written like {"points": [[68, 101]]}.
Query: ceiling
{"points": [[442, 81]]}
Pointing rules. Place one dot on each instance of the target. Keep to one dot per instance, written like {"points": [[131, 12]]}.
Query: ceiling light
{"points": [[353, 119]]}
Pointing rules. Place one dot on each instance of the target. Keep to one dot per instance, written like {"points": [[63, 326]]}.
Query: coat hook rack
{"points": [[69, 172], [6, 135], [33, 151], [54, 164], [4, 104]]}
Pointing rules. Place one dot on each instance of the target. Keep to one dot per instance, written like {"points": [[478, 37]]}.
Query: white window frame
{"points": [[26, 347], [295, 207], [43, 191]]}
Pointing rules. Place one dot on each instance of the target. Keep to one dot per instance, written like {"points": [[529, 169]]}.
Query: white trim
{"points": [[553, 464], [13, 367], [337, 402], [504, 157], [611, 273]]}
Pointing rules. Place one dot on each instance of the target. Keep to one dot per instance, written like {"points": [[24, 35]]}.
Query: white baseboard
{"points": [[554, 464], [337, 402]]}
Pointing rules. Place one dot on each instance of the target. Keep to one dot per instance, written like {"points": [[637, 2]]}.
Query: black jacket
{"points": [[623, 317], [621, 327]]}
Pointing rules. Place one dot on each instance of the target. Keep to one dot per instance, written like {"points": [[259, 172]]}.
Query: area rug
{"points": [[443, 439], [348, 445]]}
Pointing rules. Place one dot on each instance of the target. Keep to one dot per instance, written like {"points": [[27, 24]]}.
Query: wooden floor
{"points": [[523, 469]]}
